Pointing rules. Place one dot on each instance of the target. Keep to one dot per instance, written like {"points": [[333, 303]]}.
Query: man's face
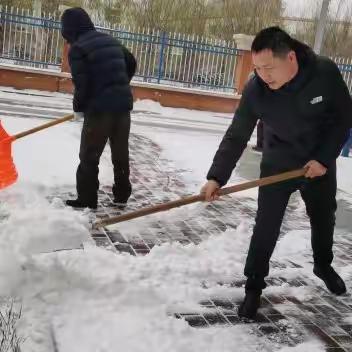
{"points": [[273, 70]]}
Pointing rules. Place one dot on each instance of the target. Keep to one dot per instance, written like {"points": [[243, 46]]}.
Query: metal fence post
{"points": [[161, 56]]}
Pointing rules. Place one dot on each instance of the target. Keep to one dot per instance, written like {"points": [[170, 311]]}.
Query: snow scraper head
{"points": [[8, 173]]}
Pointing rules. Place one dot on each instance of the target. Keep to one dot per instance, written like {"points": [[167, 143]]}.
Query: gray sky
{"points": [[308, 8]]}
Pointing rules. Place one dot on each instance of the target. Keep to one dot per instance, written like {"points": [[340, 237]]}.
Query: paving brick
{"points": [[215, 318], [196, 321]]}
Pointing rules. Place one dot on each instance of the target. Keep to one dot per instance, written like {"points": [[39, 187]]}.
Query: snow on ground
{"points": [[344, 173], [191, 115], [94, 300]]}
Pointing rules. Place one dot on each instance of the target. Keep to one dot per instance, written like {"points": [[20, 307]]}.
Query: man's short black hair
{"points": [[274, 39]]}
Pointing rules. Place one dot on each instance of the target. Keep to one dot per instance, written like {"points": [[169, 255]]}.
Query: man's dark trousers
{"points": [[97, 130], [319, 196]]}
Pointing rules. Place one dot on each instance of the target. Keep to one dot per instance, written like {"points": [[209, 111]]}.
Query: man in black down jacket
{"points": [[101, 69], [307, 112]]}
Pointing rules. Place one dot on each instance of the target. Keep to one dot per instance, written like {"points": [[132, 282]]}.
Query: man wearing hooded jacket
{"points": [[306, 109], [101, 69]]}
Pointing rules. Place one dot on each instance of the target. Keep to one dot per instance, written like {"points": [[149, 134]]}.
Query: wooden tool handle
{"points": [[42, 127], [263, 181], [192, 199]]}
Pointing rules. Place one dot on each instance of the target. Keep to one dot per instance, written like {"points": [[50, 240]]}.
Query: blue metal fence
{"points": [[29, 40], [163, 58], [345, 66], [184, 60]]}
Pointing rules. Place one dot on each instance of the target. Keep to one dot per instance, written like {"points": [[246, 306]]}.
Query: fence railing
{"points": [[182, 59], [345, 66], [30, 41], [164, 58]]}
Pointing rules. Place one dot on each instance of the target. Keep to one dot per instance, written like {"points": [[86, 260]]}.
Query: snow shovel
{"points": [[8, 173], [200, 197]]}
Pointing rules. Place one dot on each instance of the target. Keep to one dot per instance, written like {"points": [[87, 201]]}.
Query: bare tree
{"points": [[152, 13], [338, 36], [212, 18], [245, 16], [16, 3], [338, 33]]}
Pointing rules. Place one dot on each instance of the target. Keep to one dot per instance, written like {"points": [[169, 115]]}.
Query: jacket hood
{"points": [[75, 22]]}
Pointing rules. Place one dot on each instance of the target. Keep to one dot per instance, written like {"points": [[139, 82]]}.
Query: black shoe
{"points": [[249, 307], [332, 280], [76, 203], [122, 194], [257, 149]]}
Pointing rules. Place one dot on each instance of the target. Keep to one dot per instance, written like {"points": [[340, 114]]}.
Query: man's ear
{"points": [[292, 56]]}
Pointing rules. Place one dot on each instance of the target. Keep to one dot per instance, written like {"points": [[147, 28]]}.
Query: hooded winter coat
{"points": [[101, 66], [307, 119]]}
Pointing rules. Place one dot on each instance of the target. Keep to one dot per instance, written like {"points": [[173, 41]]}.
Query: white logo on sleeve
{"points": [[316, 100]]}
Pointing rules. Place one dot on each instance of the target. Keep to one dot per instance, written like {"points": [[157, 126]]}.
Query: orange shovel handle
{"points": [[8, 173]]}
